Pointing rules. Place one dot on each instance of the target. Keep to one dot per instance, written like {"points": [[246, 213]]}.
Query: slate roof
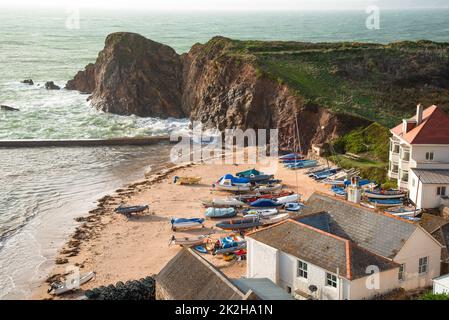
{"points": [[264, 288], [434, 128], [320, 248], [438, 227], [432, 176], [378, 233], [190, 277]]}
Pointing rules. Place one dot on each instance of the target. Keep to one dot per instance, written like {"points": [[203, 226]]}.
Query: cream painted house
{"points": [[419, 157], [332, 249]]}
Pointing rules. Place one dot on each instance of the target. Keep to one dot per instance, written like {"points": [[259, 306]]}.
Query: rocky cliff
{"points": [[328, 89]]}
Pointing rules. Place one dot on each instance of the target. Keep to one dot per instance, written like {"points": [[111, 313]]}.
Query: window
{"points": [[441, 191], [396, 148], [289, 290], [406, 155], [331, 280], [423, 264], [401, 274], [429, 156], [302, 269], [404, 177]]}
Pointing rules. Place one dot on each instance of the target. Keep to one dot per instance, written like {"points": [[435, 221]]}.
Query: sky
{"points": [[232, 4]]}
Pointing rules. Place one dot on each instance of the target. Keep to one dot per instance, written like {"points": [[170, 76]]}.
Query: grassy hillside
{"points": [[380, 82], [371, 144]]}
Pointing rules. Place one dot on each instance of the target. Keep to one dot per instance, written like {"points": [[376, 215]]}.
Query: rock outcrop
{"points": [[50, 85], [134, 75], [28, 81], [8, 108]]}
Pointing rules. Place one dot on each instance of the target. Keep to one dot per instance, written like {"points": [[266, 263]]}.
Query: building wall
{"points": [[419, 245], [440, 161], [364, 288], [441, 286], [427, 193], [262, 261]]}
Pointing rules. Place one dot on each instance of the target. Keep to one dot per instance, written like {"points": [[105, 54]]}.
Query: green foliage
{"points": [[433, 296], [369, 169], [371, 141]]}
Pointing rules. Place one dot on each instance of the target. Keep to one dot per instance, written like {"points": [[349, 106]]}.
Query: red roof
{"points": [[434, 128]]}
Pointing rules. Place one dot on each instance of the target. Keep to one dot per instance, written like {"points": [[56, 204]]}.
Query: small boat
{"points": [[236, 247], [234, 180], [252, 198], [324, 174], [269, 188], [385, 202], [291, 156], [293, 206], [384, 194], [402, 211], [220, 213], [188, 241], [201, 249], [186, 180], [58, 288], [370, 186], [287, 199], [248, 173], [265, 203], [229, 202], [315, 170], [274, 219], [261, 178], [227, 185], [339, 191], [182, 223], [240, 224], [300, 164], [129, 210], [261, 212]]}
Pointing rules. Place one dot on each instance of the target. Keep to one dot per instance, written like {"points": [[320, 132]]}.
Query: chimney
{"points": [[419, 112]]}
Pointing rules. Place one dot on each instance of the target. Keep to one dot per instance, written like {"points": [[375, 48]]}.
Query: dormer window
{"points": [[429, 156]]}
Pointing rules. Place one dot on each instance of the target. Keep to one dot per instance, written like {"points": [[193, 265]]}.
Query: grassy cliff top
{"points": [[380, 82]]}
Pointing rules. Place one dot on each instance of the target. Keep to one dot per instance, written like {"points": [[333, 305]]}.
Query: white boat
{"points": [[370, 186], [188, 241], [228, 202], [384, 194], [274, 219], [58, 288], [268, 189], [262, 212], [287, 199], [227, 185], [402, 211]]}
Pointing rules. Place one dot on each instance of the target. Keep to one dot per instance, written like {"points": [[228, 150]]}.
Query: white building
{"points": [[330, 251], [441, 285], [419, 157]]}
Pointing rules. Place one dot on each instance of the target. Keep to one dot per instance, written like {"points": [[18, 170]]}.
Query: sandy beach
{"points": [[121, 249]]}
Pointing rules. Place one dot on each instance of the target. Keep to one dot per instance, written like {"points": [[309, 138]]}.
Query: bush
{"points": [[433, 296]]}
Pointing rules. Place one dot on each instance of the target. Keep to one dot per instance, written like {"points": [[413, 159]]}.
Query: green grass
{"points": [[432, 296], [369, 169], [382, 83]]}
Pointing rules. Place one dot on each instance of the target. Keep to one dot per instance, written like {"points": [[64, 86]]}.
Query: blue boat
{"points": [[303, 164], [291, 156], [201, 249], [220, 213], [324, 174], [264, 203], [361, 183], [182, 223], [234, 180], [339, 191], [385, 202], [293, 206]]}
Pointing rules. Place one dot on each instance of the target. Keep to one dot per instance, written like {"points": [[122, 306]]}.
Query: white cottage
{"points": [[332, 249], [419, 157]]}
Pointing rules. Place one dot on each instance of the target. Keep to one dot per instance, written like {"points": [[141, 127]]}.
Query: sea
{"points": [[43, 190]]}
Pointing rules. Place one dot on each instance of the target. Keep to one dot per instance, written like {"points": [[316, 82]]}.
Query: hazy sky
{"points": [[233, 4]]}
